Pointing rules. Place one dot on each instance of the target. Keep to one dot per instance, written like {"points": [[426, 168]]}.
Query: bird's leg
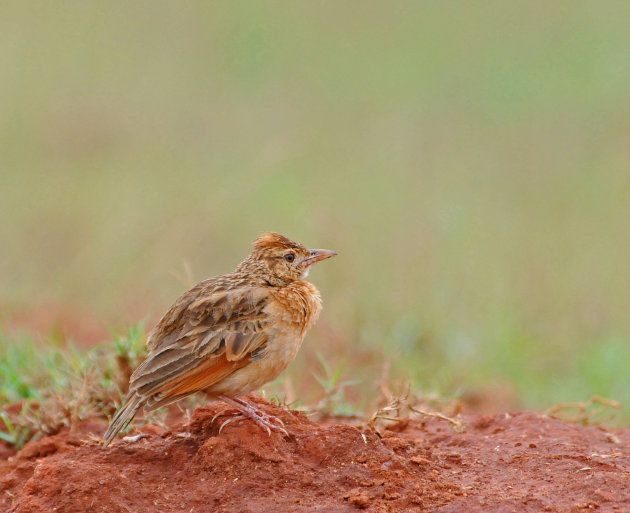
{"points": [[264, 420], [228, 410]]}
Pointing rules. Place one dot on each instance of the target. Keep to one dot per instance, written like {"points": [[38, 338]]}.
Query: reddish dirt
{"points": [[499, 463]]}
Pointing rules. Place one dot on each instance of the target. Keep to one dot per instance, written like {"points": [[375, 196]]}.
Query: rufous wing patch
{"points": [[207, 374]]}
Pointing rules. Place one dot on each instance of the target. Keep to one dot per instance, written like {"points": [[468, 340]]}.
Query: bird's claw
{"points": [[222, 411], [268, 422], [225, 423]]}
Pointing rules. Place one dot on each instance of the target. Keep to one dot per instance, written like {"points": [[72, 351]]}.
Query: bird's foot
{"points": [[268, 422], [246, 411]]}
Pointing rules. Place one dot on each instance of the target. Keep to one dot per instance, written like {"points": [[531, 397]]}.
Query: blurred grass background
{"points": [[469, 161]]}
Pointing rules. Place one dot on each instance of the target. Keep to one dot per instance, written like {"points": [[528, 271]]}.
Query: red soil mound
{"points": [[519, 462]]}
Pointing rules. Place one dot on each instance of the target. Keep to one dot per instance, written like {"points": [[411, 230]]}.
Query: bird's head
{"points": [[280, 261]]}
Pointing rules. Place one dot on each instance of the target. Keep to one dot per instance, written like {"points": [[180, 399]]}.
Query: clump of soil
{"points": [[518, 462]]}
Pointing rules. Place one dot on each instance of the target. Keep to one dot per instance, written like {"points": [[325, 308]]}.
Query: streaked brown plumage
{"points": [[230, 334]]}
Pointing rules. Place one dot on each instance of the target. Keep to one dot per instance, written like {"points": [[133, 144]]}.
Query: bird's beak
{"points": [[315, 255]]}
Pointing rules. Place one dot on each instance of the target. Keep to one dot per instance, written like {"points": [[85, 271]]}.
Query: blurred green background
{"points": [[469, 161]]}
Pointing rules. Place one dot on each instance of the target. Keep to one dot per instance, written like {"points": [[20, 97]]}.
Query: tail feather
{"points": [[123, 416]]}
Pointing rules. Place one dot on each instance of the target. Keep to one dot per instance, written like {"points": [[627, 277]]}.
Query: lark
{"points": [[229, 335]]}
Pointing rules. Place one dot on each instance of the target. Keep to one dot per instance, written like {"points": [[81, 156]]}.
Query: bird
{"points": [[230, 334]]}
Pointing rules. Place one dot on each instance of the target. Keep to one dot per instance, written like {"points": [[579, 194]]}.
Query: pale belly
{"points": [[281, 351]]}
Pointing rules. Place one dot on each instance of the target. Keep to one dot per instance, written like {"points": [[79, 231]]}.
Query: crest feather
{"points": [[275, 240]]}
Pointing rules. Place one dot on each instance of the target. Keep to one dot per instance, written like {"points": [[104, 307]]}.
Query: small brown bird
{"points": [[230, 334]]}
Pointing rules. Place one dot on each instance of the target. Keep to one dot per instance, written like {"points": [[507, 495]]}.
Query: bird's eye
{"points": [[289, 257]]}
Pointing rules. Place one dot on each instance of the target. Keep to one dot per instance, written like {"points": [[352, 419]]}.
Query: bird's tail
{"points": [[123, 416]]}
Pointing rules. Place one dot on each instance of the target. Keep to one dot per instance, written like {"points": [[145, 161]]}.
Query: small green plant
{"points": [[13, 435], [59, 387], [334, 401]]}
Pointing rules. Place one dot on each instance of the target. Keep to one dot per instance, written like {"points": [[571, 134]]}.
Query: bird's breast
{"points": [[295, 307]]}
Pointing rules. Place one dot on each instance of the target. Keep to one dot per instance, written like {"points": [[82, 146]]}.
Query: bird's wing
{"points": [[203, 338]]}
